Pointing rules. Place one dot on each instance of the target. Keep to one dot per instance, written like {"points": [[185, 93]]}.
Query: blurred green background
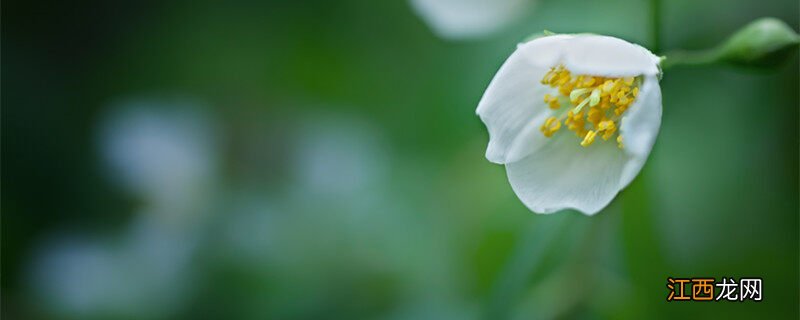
{"points": [[322, 160]]}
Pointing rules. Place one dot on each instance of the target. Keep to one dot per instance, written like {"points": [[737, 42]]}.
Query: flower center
{"points": [[596, 104]]}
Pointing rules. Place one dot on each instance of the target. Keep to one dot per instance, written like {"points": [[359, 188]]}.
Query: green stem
{"points": [[525, 259], [655, 24], [643, 253], [690, 58]]}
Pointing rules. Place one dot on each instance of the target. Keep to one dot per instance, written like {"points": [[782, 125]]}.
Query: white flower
{"points": [[462, 19], [600, 88], [339, 157], [144, 273], [160, 150]]}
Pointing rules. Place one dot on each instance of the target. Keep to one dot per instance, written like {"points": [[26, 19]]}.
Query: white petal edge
{"points": [[512, 107], [609, 57], [639, 128], [564, 175]]}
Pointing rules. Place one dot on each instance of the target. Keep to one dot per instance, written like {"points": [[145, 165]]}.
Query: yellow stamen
{"points": [[605, 99], [588, 139], [594, 116], [608, 128], [550, 126]]}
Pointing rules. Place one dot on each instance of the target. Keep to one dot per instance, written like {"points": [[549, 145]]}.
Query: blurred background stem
{"points": [[655, 25], [523, 262], [643, 256]]}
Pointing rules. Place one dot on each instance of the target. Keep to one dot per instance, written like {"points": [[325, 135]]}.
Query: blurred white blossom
{"points": [[162, 151], [144, 274], [463, 19], [339, 157]]}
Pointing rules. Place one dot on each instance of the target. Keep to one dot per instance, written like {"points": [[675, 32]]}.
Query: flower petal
{"points": [[462, 19], [563, 175], [640, 126], [608, 56], [512, 106]]}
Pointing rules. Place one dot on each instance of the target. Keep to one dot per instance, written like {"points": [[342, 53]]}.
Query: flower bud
{"points": [[765, 42]]}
